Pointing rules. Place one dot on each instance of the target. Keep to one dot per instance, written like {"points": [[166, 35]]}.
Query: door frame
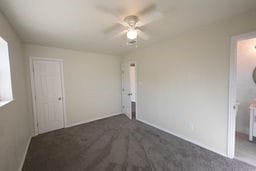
{"points": [[232, 91], [34, 110], [136, 84]]}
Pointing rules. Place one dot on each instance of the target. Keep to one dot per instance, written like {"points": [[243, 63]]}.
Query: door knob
{"points": [[59, 98], [129, 94]]}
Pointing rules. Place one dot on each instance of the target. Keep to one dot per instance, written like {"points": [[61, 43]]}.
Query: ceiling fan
{"points": [[134, 25]]}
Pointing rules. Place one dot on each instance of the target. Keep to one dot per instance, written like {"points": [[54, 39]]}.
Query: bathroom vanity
{"points": [[252, 131]]}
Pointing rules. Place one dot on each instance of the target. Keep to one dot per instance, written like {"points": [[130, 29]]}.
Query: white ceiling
{"points": [[80, 25]]}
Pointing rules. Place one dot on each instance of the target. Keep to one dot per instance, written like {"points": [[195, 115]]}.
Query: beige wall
{"points": [[15, 120], [183, 82], [92, 82], [246, 88]]}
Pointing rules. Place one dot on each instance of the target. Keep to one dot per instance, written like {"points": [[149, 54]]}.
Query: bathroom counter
{"points": [[252, 131]]}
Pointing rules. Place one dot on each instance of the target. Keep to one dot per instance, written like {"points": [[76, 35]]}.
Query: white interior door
{"points": [[126, 90], [48, 91]]}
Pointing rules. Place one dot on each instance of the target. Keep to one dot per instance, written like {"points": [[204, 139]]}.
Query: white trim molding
{"points": [[184, 138], [232, 91], [25, 154], [5, 102]]}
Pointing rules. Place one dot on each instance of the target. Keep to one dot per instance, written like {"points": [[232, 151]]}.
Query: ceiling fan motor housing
{"points": [[131, 20]]}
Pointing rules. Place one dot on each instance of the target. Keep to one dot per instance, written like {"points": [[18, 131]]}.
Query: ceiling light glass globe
{"points": [[132, 34]]}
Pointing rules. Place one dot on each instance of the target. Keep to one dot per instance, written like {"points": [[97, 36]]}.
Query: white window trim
{"points": [[5, 102], [5, 99]]}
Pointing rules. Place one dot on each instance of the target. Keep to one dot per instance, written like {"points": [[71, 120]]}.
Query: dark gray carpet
{"points": [[117, 143]]}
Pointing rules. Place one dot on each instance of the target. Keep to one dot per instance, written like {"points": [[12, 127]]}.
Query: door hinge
{"points": [[123, 107], [33, 70], [35, 97], [37, 124]]}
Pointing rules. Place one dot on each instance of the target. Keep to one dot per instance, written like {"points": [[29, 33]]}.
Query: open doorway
{"points": [[245, 149], [129, 89], [132, 70], [242, 116]]}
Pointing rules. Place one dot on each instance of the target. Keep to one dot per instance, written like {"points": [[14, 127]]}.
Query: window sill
{"points": [[5, 102]]}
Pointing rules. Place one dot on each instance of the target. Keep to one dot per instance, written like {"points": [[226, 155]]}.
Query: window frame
{"points": [[6, 91]]}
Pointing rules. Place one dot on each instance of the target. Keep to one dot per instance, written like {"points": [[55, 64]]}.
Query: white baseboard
{"points": [[91, 120], [185, 138], [25, 153]]}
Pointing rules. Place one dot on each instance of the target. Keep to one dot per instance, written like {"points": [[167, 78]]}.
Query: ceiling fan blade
{"points": [[123, 23], [142, 28], [148, 9], [114, 12], [112, 28], [142, 35], [149, 19], [120, 34]]}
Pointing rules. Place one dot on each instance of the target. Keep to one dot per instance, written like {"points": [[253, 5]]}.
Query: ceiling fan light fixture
{"points": [[132, 34]]}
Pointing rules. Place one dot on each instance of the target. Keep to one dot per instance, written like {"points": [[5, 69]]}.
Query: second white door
{"points": [[48, 91]]}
